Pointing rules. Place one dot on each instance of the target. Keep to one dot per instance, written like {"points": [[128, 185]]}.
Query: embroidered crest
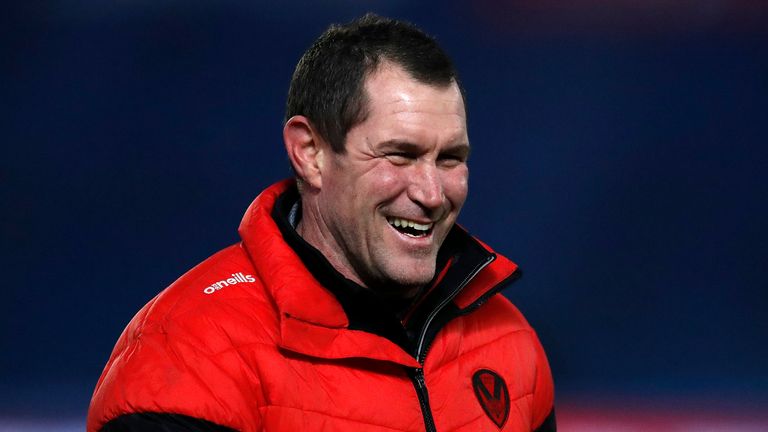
{"points": [[493, 395]]}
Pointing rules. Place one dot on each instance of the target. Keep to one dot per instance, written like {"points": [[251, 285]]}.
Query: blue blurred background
{"points": [[619, 157]]}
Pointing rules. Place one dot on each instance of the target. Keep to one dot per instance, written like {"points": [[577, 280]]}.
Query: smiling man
{"points": [[380, 208], [354, 302]]}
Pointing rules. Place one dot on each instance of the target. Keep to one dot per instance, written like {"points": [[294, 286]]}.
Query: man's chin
{"points": [[396, 290], [404, 284]]}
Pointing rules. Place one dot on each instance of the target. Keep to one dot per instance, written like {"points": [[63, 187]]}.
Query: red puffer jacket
{"points": [[252, 340]]}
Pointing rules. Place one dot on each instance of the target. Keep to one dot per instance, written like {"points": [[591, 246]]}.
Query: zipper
{"points": [[422, 347], [417, 377]]}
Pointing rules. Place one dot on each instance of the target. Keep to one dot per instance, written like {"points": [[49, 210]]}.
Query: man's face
{"points": [[389, 201]]}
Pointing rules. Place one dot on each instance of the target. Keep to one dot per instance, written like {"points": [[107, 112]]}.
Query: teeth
{"points": [[398, 222]]}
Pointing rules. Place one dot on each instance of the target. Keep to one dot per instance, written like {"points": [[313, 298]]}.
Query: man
{"points": [[353, 302]]}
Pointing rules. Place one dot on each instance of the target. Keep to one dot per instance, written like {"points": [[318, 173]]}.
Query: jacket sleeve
{"points": [[161, 422], [544, 393]]}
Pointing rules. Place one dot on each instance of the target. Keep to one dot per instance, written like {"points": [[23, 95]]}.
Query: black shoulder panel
{"points": [[161, 422], [549, 423]]}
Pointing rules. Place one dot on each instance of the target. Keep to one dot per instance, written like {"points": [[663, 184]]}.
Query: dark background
{"points": [[619, 157]]}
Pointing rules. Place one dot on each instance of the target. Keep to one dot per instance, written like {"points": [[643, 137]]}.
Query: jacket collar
{"points": [[323, 314]]}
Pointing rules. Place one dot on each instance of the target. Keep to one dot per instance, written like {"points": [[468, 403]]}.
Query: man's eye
{"points": [[399, 158], [450, 160]]}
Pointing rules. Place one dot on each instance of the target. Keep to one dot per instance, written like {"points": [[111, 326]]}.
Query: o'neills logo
{"points": [[235, 279]]}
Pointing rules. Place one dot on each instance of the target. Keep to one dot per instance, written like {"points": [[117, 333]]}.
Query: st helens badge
{"points": [[493, 395]]}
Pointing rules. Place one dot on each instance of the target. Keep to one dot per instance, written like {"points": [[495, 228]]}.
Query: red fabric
{"points": [[275, 353]]}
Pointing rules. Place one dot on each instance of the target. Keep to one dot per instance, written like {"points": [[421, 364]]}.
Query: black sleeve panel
{"points": [[161, 422], [549, 424]]}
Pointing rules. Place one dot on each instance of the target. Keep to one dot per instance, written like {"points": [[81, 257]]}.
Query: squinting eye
{"points": [[399, 158], [450, 160]]}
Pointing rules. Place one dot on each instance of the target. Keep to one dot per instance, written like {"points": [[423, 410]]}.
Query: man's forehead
{"points": [[391, 89]]}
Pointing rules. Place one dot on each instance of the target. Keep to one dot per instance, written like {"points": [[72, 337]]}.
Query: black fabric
{"points": [[517, 274], [161, 422], [380, 315], [549, 425]]}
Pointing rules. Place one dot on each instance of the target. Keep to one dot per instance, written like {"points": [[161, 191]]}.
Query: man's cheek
{"points": [[387, 179], [456, 186]]}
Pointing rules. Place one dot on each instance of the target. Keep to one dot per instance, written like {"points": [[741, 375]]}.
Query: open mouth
{"points": [[410, 228]]}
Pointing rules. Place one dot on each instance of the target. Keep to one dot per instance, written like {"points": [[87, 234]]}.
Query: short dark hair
{"points": [[328, 84]]}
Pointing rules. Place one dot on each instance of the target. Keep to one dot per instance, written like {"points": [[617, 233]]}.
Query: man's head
{"points": [[327, 85], [380, 201]]}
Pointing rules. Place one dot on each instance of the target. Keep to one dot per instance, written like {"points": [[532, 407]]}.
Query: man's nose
{"points": [[426, 187]]}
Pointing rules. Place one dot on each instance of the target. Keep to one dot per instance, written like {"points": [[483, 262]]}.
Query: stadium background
{"points": [[619, 157]]}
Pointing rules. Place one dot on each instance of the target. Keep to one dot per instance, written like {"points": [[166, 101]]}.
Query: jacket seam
{"points": [[326, 415], [476, 418], [463, 353]]}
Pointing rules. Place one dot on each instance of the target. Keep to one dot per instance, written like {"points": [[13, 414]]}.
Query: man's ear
{"points": [[305, 149]]}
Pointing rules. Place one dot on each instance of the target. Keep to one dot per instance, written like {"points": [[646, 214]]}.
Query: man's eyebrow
{"points": [[459, 149], [399, 145]]}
